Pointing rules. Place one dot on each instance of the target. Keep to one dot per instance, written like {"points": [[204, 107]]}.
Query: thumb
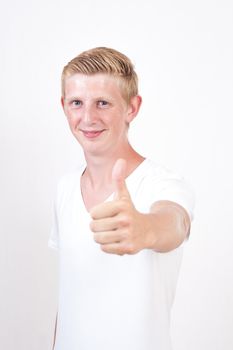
{"points": [[118, 178]]}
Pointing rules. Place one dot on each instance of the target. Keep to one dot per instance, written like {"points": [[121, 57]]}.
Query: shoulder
{"points": [[71, 177], [68, 181], [157, 172], [161, 183]]}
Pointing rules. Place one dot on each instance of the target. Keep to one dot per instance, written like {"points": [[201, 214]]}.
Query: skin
{"points": [[98, 117]]}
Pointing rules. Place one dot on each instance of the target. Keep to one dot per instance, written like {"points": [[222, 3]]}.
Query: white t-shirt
{"points": [[107, 301]]}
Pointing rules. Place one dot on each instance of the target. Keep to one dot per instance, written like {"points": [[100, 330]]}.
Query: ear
{"points": [[62, 102], [133, 107]]}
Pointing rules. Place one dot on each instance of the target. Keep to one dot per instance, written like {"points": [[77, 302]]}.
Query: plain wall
{"points": [[183, 54]]}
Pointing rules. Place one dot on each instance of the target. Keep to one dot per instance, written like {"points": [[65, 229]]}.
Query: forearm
{"points": [[168, 225]]}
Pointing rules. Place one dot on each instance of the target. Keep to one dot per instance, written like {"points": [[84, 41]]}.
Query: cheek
{"points": [[73, 119], [119, 129]]}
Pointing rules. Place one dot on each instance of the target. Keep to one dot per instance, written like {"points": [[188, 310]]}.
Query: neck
{"points": [[99, 168]]}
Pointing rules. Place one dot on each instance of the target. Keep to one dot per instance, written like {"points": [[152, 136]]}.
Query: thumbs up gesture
{"points": [[117, 226]]}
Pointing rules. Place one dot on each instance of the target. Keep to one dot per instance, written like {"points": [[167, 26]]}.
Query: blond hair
{"points": [[108, 61]]}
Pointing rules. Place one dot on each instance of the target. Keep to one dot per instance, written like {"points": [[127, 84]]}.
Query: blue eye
{"points": [[76, 103]]}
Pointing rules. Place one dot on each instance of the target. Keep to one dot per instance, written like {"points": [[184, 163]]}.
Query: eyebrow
{"points": [[72, 98], [100, 98]]}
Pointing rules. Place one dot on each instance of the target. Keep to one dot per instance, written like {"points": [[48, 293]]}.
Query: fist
{"points": [[117, 226]]}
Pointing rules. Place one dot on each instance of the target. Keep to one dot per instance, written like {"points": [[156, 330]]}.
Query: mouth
{"points": [[91, 134]]}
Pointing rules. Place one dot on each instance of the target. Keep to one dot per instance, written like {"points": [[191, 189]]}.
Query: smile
{"points": [[91, 134]]}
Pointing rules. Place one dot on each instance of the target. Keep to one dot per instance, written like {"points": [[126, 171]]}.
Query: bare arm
{"points": [[120, 228], [169, 224]]}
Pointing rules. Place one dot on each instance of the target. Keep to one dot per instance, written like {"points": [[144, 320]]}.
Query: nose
{"points": [[89, 115]]}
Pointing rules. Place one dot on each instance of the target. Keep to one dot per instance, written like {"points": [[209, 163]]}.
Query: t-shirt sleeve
{"points": [[163, 184], [176, 190]]}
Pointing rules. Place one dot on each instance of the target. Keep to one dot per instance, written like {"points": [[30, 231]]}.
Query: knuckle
{"points": [[92, 225], [131, 249], [104, 248], [124, 220], [96, 238], [128, 248]]}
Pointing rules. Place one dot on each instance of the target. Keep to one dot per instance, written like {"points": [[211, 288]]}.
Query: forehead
{"points": [[90, 85]]}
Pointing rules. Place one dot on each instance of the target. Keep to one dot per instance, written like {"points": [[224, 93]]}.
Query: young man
{"points": [[119, 221]]}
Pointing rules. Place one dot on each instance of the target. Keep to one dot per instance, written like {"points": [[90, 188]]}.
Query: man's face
{"points": [[97, 113]]}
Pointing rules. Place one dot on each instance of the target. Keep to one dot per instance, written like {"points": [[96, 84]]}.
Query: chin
{"points": [[95, 151]]}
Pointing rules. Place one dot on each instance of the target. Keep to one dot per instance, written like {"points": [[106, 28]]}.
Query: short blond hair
{"points": [[108, 61]]}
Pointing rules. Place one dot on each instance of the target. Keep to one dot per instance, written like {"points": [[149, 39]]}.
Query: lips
{"points": [[91, 134]]}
